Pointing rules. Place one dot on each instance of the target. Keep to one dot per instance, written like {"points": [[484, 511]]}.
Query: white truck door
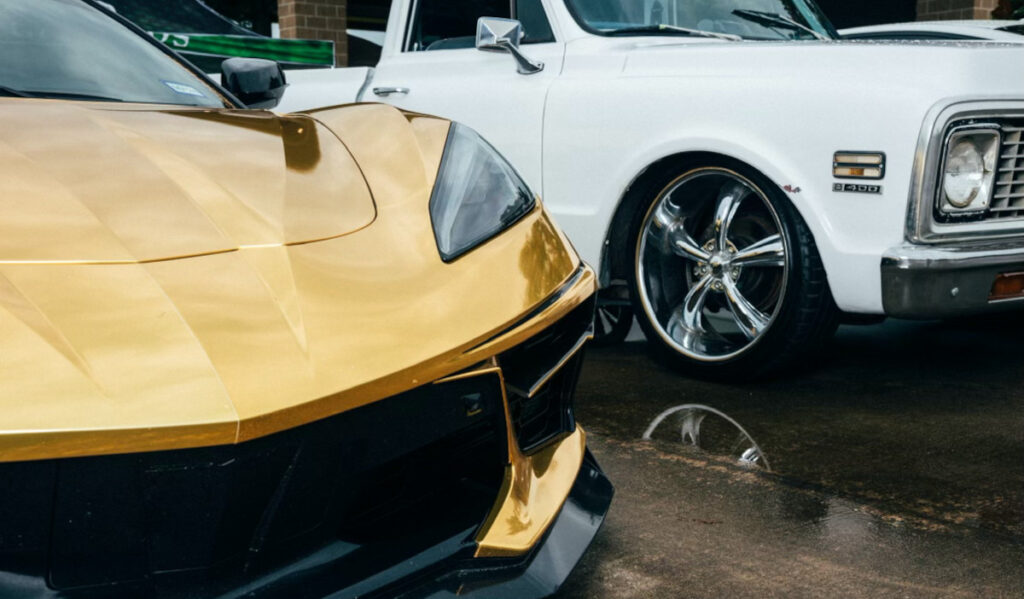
{"points": [[438, 70]]}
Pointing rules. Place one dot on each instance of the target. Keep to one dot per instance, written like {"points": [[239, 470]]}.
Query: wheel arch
{"points": [[615, 264]]}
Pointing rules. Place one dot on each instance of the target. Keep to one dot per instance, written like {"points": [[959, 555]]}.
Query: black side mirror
{"points": [[258, 83]]}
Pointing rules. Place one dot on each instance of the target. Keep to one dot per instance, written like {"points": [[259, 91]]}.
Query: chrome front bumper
{"points": [[922, 282]]}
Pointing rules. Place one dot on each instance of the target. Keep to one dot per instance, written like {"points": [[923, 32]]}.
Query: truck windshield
{"points": [[748, 19], [68, 49]]}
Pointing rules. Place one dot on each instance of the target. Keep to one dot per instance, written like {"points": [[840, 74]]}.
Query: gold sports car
{"points": [[249, 355]]}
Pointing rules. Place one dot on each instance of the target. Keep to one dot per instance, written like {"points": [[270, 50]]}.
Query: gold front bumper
{"points": [[533, 493], [103, 360]]}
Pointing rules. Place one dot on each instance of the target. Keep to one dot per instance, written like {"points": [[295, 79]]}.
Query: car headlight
{"points": [[478, 194], [970, 169]]}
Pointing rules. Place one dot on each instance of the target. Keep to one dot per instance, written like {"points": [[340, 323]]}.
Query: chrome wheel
{"points": [[712, 264]]}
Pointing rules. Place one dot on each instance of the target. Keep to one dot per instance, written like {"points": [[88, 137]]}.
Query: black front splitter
{"points": [[544, 571], [448, 570], [534, 576]]}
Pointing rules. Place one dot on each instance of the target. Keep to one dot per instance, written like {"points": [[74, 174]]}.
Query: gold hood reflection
{"points": [[174, 279], [83, 184]]}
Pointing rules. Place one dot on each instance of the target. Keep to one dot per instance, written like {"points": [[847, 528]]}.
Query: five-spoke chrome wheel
{"points": [[712, 264]]}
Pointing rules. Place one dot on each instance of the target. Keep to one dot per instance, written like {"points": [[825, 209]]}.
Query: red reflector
{"points": [[1008, 286]]}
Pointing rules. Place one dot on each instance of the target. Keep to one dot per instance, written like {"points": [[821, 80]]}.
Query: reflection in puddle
{"points": [[832, 518], [846, 523], [719, 434]]}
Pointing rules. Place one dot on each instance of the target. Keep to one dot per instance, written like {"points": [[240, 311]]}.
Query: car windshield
{"points": [[748, 19], [69, 49]]}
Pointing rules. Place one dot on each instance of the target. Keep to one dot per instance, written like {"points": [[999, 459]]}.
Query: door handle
{"points": [[387, 91]]}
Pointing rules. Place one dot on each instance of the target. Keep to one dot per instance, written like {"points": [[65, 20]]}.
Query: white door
{"points": [[439, 71]]}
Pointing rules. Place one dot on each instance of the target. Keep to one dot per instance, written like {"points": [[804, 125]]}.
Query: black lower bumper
{"points": [[448, 569], [542, 572]]}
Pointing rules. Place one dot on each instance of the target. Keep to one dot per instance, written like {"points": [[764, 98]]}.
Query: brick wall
{"points": [[316, 20], [944, 10]]}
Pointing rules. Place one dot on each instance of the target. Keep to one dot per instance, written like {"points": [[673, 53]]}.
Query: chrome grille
{"points": [[1008, 198]]}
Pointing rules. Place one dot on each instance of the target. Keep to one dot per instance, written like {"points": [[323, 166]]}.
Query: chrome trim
{"points": [[569, 355], [937, 258], [923, 282], [524, 65], [921, 226], [1008, 187], [488, 367], [387, 91]]}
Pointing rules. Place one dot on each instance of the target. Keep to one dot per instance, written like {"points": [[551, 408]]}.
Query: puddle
{"points": [[709, 430]]}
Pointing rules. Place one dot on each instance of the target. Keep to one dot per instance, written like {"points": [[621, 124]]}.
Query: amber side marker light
{"points": [[858, 165], [1008, 286]]}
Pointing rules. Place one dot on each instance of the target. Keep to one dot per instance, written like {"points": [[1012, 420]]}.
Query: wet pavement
{"points": [[897, 469]]}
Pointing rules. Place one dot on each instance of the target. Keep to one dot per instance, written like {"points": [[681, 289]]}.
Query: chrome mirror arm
{"points": [[524, 64], [503, 35]]}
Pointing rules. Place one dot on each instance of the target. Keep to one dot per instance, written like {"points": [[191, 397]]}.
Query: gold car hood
{"points": [[177, 278], [90, 183]]}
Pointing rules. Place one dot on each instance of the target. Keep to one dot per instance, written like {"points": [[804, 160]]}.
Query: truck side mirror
{"points": [[258, 83], [503, 35]]}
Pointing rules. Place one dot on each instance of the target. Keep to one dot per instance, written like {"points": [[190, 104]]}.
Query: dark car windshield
{"points": [[69, 49], [608, 17]]}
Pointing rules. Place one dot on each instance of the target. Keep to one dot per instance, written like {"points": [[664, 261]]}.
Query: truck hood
{"points": [[934, 69], [95, 183]]}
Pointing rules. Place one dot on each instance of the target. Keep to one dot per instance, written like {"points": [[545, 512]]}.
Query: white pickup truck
{"points": [[740, 178]]}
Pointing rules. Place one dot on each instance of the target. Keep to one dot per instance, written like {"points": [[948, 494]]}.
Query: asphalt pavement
{"points": [[894, 467]]}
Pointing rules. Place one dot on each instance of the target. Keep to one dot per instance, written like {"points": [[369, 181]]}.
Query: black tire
{"points": [[805, 316]]}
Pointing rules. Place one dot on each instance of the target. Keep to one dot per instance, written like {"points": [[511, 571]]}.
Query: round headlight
{"points": [[965, 174]]}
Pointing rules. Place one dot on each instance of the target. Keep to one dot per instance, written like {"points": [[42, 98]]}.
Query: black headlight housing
{"points": [[478, 194]]}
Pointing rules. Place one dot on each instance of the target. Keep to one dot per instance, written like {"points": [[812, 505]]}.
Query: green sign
{"points": [[286, 52]]}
